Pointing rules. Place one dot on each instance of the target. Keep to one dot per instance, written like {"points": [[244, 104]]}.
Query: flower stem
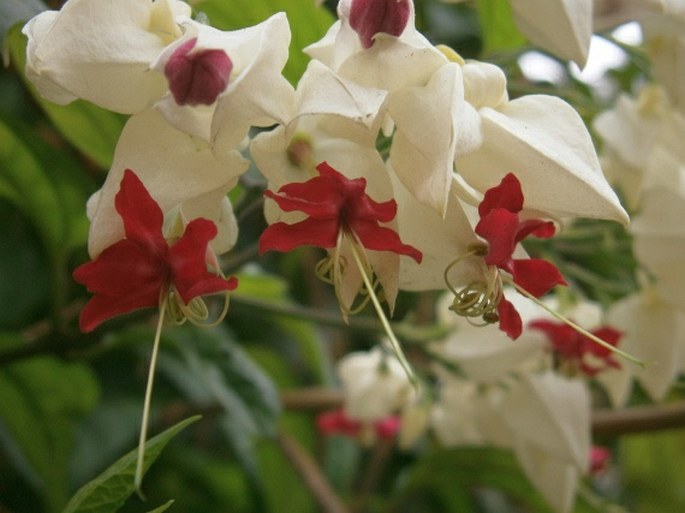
{"points": [[148, 399], [394, 343], [580, 330]]}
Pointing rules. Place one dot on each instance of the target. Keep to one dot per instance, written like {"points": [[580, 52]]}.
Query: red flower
{"points": [[139, 270], [371, 17], [334, 204], [502, 228], [574, 348], [337, 422]]}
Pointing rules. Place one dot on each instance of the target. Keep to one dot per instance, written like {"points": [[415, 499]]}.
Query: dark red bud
{"points": [[197, 78], [371, 17]]}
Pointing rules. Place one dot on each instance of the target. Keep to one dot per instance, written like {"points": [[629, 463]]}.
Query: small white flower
{"points": [[374, 383]]}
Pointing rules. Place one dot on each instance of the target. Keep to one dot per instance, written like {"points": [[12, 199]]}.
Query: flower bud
{"points": [[371, 17]]}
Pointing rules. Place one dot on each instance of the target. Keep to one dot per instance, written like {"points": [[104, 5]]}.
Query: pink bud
{"points": [[371, 17], [197, 78]]}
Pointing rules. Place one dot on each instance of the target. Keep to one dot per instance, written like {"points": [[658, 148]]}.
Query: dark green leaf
{"points": [[212, 370], [108, 492], [163, 507], [41, 401], [23, 292]]}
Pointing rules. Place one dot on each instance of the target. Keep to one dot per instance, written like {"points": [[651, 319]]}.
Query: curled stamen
{"points": [[474, 300], [478, 298], [196, 311]]}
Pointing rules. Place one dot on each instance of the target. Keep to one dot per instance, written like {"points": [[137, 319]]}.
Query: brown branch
{"points": [[638, 419], [314, 398], [311, 474]]}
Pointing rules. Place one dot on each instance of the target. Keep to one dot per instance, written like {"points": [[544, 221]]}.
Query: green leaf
{"points": [[92, 130], [46, 184], [273, 289], [108, 492], [309, 23], [23, 294], [41, 402], [212, 370], [163, 507], [499, 30], [14, 11]]}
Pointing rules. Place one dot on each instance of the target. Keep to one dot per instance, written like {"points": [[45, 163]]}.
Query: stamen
{"points": [[195, 311], [576, 327], [394, 343], [148, 399], [477, 299]]}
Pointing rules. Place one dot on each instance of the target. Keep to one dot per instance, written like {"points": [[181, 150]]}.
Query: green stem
{"points": [[394, 343], [148, 399]]}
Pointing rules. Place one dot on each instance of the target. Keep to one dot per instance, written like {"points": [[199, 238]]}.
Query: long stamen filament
{"points": [[394, 343], [472, 252], [579, 329], [148, 399]]}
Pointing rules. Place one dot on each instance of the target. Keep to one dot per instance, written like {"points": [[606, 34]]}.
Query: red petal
{"points": [[608, 334], [337, 422], [363, 207], [537, 227], [388, 427], [101, 308], [536, 275], [370, 17], [379, 238], [188, 262], [319, 198], [142, 217], [498, 227], [509, 319], [121, 269], [284, 237], [507, 195]]}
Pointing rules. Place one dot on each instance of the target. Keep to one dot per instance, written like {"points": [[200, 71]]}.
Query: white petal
{"points": [[630, 130], [666, 49], [543, 141], [563, 27], [392, 64], [433, 124], [486, 355], [320, 91], [101, 51], [441, 241], [555, 479], [552, 414], [654, 332], [659, 241], [178, 171], [257, 94], [375, 384], [454, 416], [485, 85]]}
